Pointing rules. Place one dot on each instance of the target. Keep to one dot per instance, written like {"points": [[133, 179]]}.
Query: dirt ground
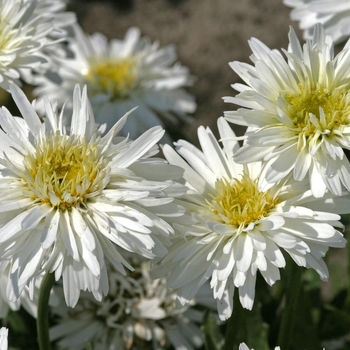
{"points": [[208, 34]]}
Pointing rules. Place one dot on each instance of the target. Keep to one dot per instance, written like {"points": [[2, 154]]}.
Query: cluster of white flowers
{"points": [[82, 195]]}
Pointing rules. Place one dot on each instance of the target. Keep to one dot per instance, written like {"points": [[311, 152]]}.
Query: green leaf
{"points": [[88, 346], [22, 330], [307, 315], [334, 322], [256, 329], [213, 338], [16, 322]]}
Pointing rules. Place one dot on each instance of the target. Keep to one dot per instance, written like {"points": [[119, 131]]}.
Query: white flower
{"points": [[334, 15], [69, 199], [4, 338], [299, 110], [138, 313], [236, 229], [122, 74], [25, 27], [243, 346]]}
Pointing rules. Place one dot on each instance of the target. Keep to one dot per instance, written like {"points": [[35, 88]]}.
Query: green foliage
{"points": [[22, 330], [88, 346], [248, 327], [255, 329], [213, 338]]}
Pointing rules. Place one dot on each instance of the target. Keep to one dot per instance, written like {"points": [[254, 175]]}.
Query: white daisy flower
{"points": [[121, 74], [299, 110], [4, 338], [237, 229], [25, 27], [138, 313], [69, 199], [334, 15]]}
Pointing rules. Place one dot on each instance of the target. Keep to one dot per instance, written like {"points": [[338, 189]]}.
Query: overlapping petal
{"points": [[79, 197], [333, 15], [298, 111], [121, 74], [234, 230]]}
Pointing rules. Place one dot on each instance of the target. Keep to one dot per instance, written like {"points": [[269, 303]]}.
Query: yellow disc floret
{"points": [[116, 77], [65, 171], [335, 104], [239, 202]]}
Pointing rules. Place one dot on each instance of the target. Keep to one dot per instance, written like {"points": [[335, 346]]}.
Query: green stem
{"points": [[233, 324], [42, 321], [288, 317], [347, 301]]}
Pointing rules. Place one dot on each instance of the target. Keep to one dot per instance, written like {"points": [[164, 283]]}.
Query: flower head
{"points": [[334, 15], [234, 229], [25, 29], [71, 198], [122, 74], [298, 111], [137, 313]]}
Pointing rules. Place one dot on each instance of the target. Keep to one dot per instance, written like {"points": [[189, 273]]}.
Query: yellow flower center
{"points": [[65, 171], [114, 77], [335, 104], [239, 202]]}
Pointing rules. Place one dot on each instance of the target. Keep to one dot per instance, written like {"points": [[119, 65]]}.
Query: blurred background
{"points": [[207, 33]]}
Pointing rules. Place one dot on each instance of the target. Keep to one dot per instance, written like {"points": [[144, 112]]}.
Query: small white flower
{"points": [[121, 74], [25, 28], [235, 229], [299, 111], [69, 200], [137, 313], [334, 15]]}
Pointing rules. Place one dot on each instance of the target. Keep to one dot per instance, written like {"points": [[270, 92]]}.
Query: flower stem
{"points": [[288, 317], [233, 324], [42, 322], [347, 301]]}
